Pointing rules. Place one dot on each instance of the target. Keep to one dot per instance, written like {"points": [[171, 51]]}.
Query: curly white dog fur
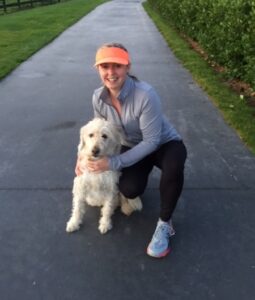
{"points": [[99, 138]]}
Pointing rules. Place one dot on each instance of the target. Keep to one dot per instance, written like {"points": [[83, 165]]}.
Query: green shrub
{"points": [[224, 28]]}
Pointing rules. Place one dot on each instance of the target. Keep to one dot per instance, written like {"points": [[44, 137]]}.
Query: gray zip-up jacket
{"points": [[144, 125]]}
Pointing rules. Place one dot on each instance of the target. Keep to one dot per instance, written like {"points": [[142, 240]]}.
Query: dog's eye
{"points": [[91, 135], [104, 136]]}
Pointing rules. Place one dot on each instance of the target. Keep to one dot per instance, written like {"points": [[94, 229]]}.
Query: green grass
{"points": [[24, 32], [235, 110]]}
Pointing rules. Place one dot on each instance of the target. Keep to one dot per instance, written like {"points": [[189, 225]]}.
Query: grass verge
{"points": [[235, 110], [24, 32]]}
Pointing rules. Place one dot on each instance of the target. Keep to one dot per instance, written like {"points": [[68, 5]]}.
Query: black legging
{"points": [[170, 158]]}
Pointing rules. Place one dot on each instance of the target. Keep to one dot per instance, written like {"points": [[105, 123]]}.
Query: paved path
{"points": [[43, 103]]}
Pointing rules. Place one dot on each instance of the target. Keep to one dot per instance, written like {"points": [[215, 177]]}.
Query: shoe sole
{"points": [[161, 255]]}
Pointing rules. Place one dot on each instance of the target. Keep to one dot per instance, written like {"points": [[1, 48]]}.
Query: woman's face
{"points": [[113, 75]]}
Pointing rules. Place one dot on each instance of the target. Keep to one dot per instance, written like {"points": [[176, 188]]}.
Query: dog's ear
{"points": [[117, 137], [82, 140], [119, 134], [121, 137], [114, 131]]}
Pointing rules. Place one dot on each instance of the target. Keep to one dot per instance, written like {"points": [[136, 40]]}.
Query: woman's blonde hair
{"points": [[114, 45]]}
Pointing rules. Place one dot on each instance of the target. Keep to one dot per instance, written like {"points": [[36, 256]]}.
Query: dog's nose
{"points": [[95, 151]]}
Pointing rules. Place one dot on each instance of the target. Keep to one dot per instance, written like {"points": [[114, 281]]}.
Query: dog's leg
{"points": [[127, 206], [77, 215], [105, 222]]}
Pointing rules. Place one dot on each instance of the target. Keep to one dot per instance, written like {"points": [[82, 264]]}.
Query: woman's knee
{"points": [[131, 190]]}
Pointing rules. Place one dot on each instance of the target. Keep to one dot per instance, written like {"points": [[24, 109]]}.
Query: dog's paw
{"points": [[72, 226], [126, 209], [104, 226], [130, 205], [136, 203]]}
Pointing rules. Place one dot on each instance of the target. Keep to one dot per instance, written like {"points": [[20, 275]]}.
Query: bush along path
{"points": [[237, 107]]}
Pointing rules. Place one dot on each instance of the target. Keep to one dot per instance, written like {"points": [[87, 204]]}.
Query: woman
{"points": [[135, 106]]}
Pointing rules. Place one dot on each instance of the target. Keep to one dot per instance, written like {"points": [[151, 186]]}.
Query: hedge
{"points": [[224, 28]]}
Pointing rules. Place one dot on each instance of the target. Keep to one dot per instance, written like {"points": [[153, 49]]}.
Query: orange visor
{"points": [[112, 55]]}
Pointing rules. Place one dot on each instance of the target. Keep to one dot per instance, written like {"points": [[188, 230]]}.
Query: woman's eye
{"points": [[104, 66], [104, 136], [91, 135]]}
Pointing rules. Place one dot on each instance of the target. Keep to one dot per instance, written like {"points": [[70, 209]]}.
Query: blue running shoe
{"points": [[160, 242], [172, 231]]}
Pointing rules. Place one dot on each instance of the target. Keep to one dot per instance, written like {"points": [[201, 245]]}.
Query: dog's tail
{"points": [[127, 206]]}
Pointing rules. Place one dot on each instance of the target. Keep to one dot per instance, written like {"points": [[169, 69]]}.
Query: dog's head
{"points": [[99, 138]]}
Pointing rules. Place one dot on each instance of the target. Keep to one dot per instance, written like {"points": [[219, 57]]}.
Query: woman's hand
{"points": [[98, 166], [95, 166], [79, 168]]}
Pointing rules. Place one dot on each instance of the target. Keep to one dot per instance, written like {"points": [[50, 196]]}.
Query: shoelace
{"points": [[162, 229]]}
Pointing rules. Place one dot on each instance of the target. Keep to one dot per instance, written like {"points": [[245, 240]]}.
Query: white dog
{"points": [[99, 138]]}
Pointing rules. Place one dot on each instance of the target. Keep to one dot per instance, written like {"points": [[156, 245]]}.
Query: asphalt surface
{"points": [[43, 103]]}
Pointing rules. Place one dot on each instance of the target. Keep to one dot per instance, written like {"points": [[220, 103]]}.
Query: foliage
{"points": [[234, 108], [224, 28]]}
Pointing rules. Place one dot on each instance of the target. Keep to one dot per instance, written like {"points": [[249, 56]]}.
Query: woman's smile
{"points": [[113, 75]]}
